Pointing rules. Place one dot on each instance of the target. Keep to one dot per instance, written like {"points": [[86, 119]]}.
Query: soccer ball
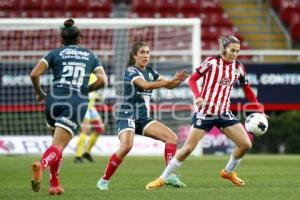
{"points": [[257, 124]]}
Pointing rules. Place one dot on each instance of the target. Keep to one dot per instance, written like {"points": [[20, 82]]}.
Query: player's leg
{"points": [[84, 129], [98, 128], [126, 135], [157, 130], [61, 139], [239, 136], [194, 137]]}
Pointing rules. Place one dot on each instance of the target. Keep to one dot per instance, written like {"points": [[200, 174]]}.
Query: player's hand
{"points": [[181, 75], [199, 101], [40, 98]]}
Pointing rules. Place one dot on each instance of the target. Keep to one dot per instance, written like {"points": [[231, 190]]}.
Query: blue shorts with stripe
{"points": [[67, 112], [207, 122]]}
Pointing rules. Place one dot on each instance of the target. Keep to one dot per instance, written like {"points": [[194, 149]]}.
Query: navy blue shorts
{"points": [[137, 125], [67, 113], [207, 122]]}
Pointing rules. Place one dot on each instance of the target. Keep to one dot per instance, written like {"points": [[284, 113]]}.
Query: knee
{"points": [[125, 148], [172, 138], [246, 146]]}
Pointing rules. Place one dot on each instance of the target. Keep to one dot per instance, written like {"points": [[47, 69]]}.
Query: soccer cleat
{"points": [[58, 190], [155, 184], [78, 160], [102, 184], [88, 157], [174, 181], [36, 178], [233, 177]]}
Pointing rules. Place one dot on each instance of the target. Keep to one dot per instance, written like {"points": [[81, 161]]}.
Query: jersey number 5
{"points": [[74, 75]]}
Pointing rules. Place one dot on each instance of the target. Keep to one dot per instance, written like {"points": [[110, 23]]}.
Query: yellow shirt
{"points": [[92, 95]]}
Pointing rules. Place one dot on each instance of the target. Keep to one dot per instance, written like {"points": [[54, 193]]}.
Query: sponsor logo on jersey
{"points": [[74, 53]]}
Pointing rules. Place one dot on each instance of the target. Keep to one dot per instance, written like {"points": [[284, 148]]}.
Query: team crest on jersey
{"points": [[150, 76], [225, 81], [237, 72]]}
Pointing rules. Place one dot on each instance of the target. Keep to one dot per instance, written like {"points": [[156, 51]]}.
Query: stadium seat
{"points": [[186, 6], [140, 6], [10, 5], [53, 5], [72, 5], [163, 6], [54, 14], [100, 5], [30, 5]]}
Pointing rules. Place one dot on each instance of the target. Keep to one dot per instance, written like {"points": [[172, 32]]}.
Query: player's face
{"points": [[142, 56], [232, 52]]}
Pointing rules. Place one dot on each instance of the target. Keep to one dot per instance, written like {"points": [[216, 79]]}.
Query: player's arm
{"points": [[251, 97], [142, 83], [193, 85], [177, 79], [179, 76], [101, 79], [36, 72]]}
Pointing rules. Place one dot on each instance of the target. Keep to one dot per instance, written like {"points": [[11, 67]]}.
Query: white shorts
{"points": [[92, 114]]}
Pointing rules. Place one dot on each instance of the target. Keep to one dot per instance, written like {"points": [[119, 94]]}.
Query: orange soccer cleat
{"points": [[155, 184], [232, 177], [36, 178]]}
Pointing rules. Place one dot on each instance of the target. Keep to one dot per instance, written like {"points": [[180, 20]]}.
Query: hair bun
{"points": [[69, 23]]}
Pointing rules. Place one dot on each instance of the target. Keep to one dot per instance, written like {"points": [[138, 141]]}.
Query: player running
{"points": [[219, 75], [66, 103]]}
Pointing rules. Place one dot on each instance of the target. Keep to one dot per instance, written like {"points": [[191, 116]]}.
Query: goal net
{"points": [[174, 45]]}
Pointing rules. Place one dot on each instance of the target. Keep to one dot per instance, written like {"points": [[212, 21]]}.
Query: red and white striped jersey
{"points": [[219, 77]]}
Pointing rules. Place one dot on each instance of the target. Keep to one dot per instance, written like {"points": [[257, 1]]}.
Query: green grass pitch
{"points": [[266, 176]]}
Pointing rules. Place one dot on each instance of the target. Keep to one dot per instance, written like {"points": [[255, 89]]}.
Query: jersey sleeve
{"points": [[132, 74], [156, 75], [48, 59], [97, 62], [205, 66]]}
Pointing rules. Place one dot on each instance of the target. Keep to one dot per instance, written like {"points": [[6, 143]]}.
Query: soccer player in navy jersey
{"points": [[67, 101], [219, 75], [134, 115]]}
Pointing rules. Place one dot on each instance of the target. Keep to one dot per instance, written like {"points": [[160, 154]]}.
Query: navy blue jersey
{"points": [[72, 66], [136, 101]]}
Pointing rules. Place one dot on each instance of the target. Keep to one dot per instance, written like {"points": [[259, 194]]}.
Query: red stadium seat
{"points": [[57, 5], [215, 19], [13, 5], [186, 6], [81, 5], [53, 14], [100, 5], [143, 5], [166, 6], [30, 5]]}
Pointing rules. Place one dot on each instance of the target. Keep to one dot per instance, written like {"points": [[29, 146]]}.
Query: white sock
{"points": [[171, 168], [232, 164]]}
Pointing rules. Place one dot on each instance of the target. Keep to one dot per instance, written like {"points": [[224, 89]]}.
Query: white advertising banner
{"points": [[106, 145]]}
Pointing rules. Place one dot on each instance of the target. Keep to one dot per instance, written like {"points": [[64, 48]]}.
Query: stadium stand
{"points": [[289, 13], [215, 21]]}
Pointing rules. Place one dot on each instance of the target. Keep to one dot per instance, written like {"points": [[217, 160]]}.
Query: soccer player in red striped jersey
{"points": [[219, 75]]}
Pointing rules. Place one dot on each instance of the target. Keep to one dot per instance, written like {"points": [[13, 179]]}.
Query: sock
{"points": [[171, 168], [112, 166], [170, 150], [51, 155], [92, 142], [80, 145], [54, 172], [98, 127], [232, 164]]}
